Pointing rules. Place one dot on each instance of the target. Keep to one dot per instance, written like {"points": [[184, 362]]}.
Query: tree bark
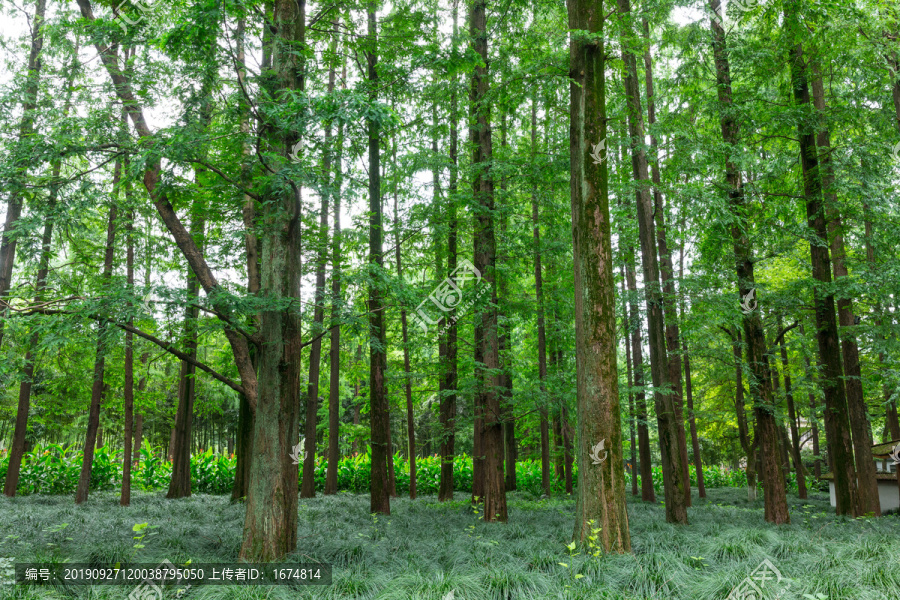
{"points": [[270, 526], [836, 412], [600, 501], [666, 414], [128, 392], [867, 484], [379, 415], [407, 376], [695, 441], [487, 359]]}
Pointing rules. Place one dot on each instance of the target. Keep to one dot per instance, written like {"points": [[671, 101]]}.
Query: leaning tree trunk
{"points": [[8, 238], [774, 489], [601, 482], [666, 414], [836, 414], [487, 359]]}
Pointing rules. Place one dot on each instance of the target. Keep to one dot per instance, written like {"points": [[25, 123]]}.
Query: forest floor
{"points": [[426, 550]]}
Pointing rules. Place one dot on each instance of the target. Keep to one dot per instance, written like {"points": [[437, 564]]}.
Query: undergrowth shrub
{"points": [[53, 469]]}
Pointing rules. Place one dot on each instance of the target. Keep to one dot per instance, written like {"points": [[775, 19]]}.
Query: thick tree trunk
{"points": [[489, 428], [666, 414], [448, 378], [867, 484], [9, 239], [836, 413], [270, 526], [379, 415], [601, 482]]}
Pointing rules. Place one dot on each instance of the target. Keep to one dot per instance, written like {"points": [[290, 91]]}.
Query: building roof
{"points": [[884, 450]]}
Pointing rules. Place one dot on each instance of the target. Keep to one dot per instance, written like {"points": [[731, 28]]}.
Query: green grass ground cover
{"points": [[426, 549]]}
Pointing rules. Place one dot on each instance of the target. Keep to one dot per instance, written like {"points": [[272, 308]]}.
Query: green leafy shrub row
{"points": [[54, 469]]}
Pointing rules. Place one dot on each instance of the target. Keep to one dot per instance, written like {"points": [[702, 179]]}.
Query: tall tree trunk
{"points": [[626, 326], [407, 379], [891, 417], [666, 270], [180, 483], [90, 440], [747, 445], [334, 392], [600, 501], [308, 481], [379, 415], [505, 345], [244, 431], [775, 493], [648, 494], [813, 416], [836, 414], [270, 526], [448, 379], [792, 416], [695, 441], [666, 414], [9, 239], [128, 392], [487, 359], [17, 449], [867, 484], [541, 330]]}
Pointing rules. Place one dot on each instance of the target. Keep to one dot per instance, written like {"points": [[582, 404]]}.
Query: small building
{"points": [[886, 472]]}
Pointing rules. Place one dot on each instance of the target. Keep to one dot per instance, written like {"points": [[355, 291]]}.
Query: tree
{"points": [[601, 482]]}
